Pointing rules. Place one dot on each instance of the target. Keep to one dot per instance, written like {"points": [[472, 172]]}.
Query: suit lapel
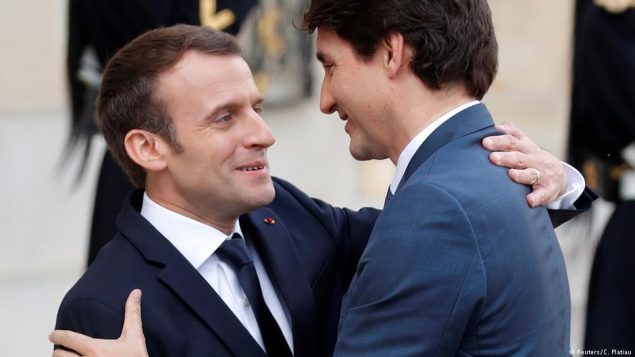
{"points": [[276, 249], [463, 123], [196, 293], [186, 282]]}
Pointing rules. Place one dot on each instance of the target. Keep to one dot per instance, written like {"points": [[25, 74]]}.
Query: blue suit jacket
{"points": [[310, 254], [457, 263]]}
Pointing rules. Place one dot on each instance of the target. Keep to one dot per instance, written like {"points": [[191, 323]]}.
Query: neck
{"points": [[191, 209], [418, 109]]}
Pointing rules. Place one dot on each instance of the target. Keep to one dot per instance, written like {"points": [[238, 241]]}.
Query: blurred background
{"points": [[45, 213]]}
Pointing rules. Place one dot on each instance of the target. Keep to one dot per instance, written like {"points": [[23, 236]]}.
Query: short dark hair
{"points": [[126, 99], [453, 40]]}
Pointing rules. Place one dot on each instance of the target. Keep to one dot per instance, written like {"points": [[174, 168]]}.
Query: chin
{"points": [[268, 197], [357, 154], [365, 154], [265, 195]]}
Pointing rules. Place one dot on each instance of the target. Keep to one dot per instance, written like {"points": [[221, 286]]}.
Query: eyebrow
{"points": [[259, 100]]}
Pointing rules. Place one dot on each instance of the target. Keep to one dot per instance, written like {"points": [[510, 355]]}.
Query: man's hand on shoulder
{"points": [[529, 164], [131, 343]]}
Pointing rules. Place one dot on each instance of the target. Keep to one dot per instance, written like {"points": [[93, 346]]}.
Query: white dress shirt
{"points": [[575, 181], [197, 242]]}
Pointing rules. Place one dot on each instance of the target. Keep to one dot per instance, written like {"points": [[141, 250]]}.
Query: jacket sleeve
{"points": [[581, 205], [350, 229], [90, 317]]}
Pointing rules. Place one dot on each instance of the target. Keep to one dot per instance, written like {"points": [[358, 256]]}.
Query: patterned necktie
{"points": [[234, 252]]}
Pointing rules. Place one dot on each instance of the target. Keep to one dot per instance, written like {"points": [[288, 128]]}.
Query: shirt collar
{"points": [[412, 147], [196, 241]]}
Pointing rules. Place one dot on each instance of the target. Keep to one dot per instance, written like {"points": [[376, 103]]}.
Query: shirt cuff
{"points": [[573, 190]]}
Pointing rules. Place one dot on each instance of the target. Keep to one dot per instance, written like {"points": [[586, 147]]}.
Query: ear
{"points": [[394, 56], [146, 149]]}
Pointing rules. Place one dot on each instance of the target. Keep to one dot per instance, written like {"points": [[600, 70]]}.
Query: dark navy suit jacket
{"points": [[310, 254], [458, 264]]}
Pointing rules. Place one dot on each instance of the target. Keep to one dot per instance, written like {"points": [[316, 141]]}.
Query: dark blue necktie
{"points": [[234, 252]]}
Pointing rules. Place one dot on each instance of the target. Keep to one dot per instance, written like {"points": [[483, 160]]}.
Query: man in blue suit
{"points": [[194, 141], [457, 263]]}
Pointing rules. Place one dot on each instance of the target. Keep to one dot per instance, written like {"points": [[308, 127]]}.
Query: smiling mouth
{"points": [[259, 165], [251, 168]]}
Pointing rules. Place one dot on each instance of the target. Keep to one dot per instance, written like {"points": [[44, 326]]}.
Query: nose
{"points": [[260, 135], [327, 102]]}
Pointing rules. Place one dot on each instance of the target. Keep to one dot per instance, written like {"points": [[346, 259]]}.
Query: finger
{"points": [[502, 143], [132, 325], [524, 176], [511, 129], [71, 340], [62, 353], [537, 197], [513, 160]]}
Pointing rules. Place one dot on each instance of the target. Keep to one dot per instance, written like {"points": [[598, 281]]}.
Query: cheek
{"points": [[217, 150], [350, 88]]}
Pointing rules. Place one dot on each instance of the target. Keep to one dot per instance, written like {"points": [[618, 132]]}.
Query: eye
{"points": [[257, 108], [223, 118]]}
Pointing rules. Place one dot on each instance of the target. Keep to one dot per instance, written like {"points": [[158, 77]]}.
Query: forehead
{"points": [[330, 44], [197, 71]]}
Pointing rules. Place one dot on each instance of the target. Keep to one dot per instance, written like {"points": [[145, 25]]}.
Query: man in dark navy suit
{"points": [[185, 127], [180, 112]]}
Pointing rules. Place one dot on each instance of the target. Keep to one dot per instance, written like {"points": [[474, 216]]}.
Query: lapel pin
{"points": [[270, 220]]}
